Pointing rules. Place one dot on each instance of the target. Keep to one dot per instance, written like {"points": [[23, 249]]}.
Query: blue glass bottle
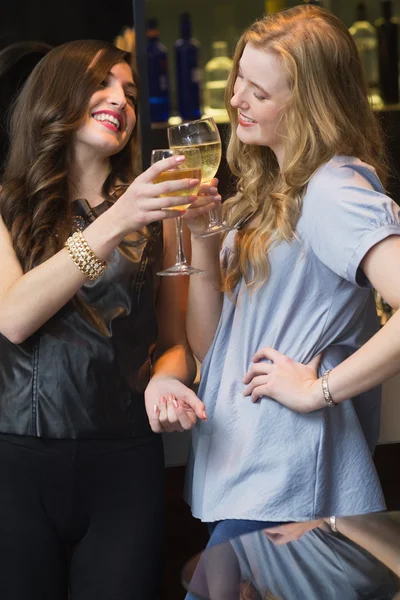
{"points": [[187, 71], [157, 66]]}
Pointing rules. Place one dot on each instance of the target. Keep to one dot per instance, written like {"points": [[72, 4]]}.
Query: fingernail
{"points": [[175, 403], [194, 182], [213, 190], [179, 159], [155, 409], [204, 415]]}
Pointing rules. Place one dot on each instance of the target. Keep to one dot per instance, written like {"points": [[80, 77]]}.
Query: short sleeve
{"points": [[345, 213]]}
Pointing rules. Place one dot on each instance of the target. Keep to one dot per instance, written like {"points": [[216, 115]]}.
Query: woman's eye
{"points": [[259, 97], [132, 99]]}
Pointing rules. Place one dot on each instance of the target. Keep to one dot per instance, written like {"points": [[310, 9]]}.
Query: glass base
{"points": [[215, 229], [182, 269]]}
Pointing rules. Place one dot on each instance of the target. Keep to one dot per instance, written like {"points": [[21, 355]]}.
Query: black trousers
{"points": [[87, 516]]}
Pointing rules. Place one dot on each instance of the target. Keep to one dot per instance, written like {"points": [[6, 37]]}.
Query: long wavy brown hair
{"points": [[34, 200], [327, 114]]}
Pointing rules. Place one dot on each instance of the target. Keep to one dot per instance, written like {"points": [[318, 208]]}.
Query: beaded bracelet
{"points": [[84, 258]]}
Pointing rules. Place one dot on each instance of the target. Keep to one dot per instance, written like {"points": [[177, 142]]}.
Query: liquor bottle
{"points": [[365, 38], [187, 71], [216, 73], [157, 66], [388, 36]]}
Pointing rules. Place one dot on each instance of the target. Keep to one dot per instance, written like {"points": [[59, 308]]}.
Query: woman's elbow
{"points": [[13, 333]]}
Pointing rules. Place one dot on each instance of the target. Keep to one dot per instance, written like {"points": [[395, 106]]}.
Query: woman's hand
{"points": [[142, 203], [171, 405], [196, 216], [283, 534], [292, 384]]}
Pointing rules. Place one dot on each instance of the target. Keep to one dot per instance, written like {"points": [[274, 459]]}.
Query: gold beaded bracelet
{"points": [[84, 258]]}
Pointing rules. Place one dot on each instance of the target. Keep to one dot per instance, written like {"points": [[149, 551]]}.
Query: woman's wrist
{"points": [[212, 242], [116, 223], [317, 395], [104, 234]]}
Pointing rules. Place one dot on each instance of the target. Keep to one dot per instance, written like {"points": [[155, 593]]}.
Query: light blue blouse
{"points": [[263, 461]]}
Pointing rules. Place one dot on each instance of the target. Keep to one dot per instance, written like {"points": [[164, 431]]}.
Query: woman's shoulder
{"points": [[343, 171]]}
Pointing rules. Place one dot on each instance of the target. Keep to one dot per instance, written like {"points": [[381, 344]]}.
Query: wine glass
{"points": [[190, 169], [204, 135]]}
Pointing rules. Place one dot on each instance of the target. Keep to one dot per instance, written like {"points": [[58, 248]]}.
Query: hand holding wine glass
{"points": [[143, 202], [197, 216], [204, 135], [189, 170]]}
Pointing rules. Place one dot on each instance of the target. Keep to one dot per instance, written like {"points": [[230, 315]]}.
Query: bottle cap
{"points": [[186, 26], [152, 30], [220, 48]]}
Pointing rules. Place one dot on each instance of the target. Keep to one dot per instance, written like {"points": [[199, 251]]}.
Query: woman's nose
{"points": [[238, 100], [117, 98]]}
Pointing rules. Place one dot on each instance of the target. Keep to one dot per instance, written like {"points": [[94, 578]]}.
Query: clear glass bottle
{"points": [[365, 38], [216, 73]]}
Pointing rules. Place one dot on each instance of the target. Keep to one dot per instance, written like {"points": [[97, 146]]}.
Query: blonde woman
{"points": [[286, 440]]}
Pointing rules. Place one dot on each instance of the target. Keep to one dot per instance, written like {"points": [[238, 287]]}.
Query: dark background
{"points": [[59, 21]]}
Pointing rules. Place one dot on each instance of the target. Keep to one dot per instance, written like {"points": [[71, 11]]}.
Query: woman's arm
{"points": [[172, 354], [171, 405], [379, 534], [297, 386], [379, 358], [205, 295], [28, 300]]}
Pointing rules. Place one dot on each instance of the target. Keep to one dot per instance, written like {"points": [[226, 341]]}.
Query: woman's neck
{"points": [[86, 180]]}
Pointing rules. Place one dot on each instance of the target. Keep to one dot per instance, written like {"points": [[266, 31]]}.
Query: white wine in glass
{"points": [[204, 135], [190, 169], [176, 174], [210, 159]]}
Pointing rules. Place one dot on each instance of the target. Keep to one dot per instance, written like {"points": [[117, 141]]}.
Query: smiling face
{"points": [[260, 93], [111, 115]]}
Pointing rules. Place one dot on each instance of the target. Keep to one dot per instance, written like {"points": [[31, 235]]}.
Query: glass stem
{"points": [[213, 218], [180, 253]]}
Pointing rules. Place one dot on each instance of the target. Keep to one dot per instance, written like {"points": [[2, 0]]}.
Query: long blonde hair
{"points": [[327, 114]]}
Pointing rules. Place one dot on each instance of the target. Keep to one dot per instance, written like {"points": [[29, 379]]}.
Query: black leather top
{"points": [[83, 374]]}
